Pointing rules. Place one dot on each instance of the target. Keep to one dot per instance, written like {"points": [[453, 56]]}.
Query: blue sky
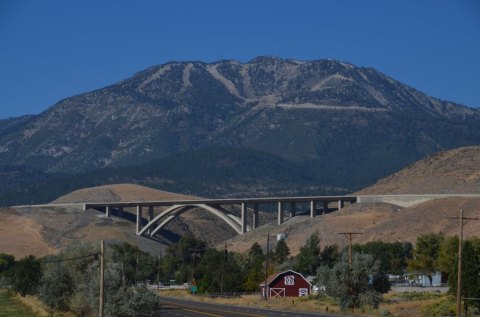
{"points": [[51, 50]]}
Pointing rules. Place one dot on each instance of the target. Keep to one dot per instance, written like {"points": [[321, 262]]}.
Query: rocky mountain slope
{"points": [[350, 124]]}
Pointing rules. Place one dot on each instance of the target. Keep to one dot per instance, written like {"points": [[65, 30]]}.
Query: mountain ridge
{"points": [[352, 124]]}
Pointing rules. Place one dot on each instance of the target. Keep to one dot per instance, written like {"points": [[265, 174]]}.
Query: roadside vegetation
{"points": [[68, 282]]}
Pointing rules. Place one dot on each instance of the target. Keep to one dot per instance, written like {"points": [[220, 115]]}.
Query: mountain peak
{"points": [[327, 114]]}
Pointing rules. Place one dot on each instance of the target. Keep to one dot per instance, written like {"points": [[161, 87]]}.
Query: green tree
{"points": [[392, 256], [352, 286], [253, 268], [6, 261], [425, 254], [308, 259], [55, 286], [282, 252], [26, 274], [137, 265], [329, 256], [448, 264]]}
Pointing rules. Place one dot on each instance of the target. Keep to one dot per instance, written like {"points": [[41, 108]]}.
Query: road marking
{"points": [[203, 313], [215, 309]]}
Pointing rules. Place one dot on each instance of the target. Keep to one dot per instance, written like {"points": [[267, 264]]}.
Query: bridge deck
{"points": [[224, 201]]}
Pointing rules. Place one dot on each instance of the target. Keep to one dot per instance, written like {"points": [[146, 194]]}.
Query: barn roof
{"points": [[274, 276]]}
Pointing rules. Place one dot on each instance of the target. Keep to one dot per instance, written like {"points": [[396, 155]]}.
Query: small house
{"points": [[286, 284]]}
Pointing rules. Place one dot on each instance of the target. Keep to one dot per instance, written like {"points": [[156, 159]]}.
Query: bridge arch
{"points": [[170, 213]]}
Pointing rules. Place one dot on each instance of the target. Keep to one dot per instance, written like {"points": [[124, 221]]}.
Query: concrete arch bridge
{"points": [[153, 220]]}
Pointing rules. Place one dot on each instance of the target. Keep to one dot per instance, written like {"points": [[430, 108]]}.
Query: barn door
{"points": [[277, 292]]}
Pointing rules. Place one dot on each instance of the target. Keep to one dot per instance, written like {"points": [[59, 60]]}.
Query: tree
{"points": [[55, 286], [137, 265], [425, 254], [308, 260], [329, 256], [281, 251], [6, 261], [353, 286], [26, 274], [392, 256], [253, 268], [448, 264]]}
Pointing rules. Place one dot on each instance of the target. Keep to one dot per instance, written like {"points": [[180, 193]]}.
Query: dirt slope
{"points": [[376, 221], [42, 231], [451, 172], [119, 193]]}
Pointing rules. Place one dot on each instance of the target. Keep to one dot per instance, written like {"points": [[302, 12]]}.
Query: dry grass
{"points": [[28, 306], [453, 171], [293, 304], [397, 305]]}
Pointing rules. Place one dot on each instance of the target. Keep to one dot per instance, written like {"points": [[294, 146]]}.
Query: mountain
{"points": [[210, 172], [352, 125]]}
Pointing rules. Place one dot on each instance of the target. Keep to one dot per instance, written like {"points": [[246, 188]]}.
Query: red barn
{"points": [[286, 284]]}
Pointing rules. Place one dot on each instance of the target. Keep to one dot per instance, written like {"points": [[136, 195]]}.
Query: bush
{"points": [[446, 307]]}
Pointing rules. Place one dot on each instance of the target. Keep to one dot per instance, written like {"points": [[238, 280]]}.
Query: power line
{"points": [[72, 259]]}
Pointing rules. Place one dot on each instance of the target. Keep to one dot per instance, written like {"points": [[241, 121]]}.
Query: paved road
{"points": [[182, 308]]}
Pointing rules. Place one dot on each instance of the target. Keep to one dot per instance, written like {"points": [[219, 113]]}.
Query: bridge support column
{"points": [[313, 211], [244, 217], [341, 204], [120, 212], [108, 211], [293, 209], [139, 219], [255, 216], [150, 217], [325, 207], [280, 213]]}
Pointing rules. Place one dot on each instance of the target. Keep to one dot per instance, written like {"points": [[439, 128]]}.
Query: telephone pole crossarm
{"points": [[350, 252]]}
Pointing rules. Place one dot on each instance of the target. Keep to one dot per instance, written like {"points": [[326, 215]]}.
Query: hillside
{"points": [[211, 172], [450, 172], [351, 125], [41, 231], [376, 221]]}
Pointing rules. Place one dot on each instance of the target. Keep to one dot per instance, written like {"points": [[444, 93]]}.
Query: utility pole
{"points": [[223, 268], [461, 218], [158, 271], [349, 235], [265, 286], [102, 269]]}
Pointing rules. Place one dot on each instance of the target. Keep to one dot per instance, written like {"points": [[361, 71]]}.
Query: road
{"points": [[171, 307]]}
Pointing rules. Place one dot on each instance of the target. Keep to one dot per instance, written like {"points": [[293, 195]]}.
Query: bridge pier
{"points": [[244, 217], [325, 207], [120, 212], [341, 204], [255, 216], [108, 211], [139, 219], [293, 209], [280, 213], [313, 210]]}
